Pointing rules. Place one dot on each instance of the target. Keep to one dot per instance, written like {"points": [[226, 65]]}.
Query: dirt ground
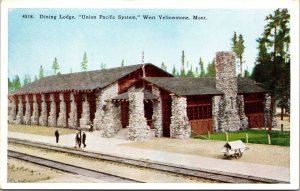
{"points": [[257, 153]]}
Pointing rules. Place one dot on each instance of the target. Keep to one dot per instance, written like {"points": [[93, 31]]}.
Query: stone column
{"points": [[19, 118], [72, 121], [226, 81], [35, 112], [215, 112], [85, 115], [62, 116], [179, 127], [157, 113], [27, 117], [43, 119], [13, 110], [241, 112], [112, 118], [137, 128], [103, 96], [267, 110], [52, 115]]}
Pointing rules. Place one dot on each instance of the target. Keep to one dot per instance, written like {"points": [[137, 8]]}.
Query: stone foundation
{"points": [[35, 112], [62, 116], [157, 113], [137, 128], [179, 127], [43, 119], [52, 115], [85, 115], [27, 116], [72, 121]]}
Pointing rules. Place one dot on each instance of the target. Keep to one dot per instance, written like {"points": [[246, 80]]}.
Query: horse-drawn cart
{"points": [[234, 149]]}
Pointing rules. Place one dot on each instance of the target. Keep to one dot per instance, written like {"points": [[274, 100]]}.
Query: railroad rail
{"points": [[178, 169], [70, 168]]}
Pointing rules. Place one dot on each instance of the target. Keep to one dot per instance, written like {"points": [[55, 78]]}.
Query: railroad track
{"points": [[70, 168], [181, 170]]}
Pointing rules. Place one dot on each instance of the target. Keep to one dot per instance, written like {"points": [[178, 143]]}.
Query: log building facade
{"points": [[144, 99]]}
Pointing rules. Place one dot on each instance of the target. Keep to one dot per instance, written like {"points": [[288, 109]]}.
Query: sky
{"points": [[36, 41]]}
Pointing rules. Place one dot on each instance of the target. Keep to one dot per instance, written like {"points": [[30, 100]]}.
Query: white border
{"points": [[292, 5]]}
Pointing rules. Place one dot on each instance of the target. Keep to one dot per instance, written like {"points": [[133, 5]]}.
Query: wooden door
{"points": [[125, 114]]}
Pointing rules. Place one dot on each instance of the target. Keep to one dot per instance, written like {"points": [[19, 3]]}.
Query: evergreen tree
{"points": [[211, 71], [190, 73], [247, 73], [10, 85], [163, 66], [84, 63], [201, 64], [273, 62], [102, 66], [27, 79], [182, 71], [41, 73], [55, 66], [35, 78], [16, 83], [238, 47], [122, 63], [196, 74], [174, 70]]}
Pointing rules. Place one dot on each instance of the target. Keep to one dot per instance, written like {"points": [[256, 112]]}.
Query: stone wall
{"points": [[27, 116], [85, 115], [62, 116], [12, 111], [43, 119], [19, 117], [216, 112], [137, 128], [52, 122], [105, 95], [35, 112], [226, 82], [179, 127], [72, 121], [157, 113]]}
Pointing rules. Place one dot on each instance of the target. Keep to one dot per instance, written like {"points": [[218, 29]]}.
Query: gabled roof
{"points": [[81, 81], [186, 85], [200, 86]]}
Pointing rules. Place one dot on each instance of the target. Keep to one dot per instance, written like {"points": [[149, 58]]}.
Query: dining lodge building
{"points": [[145, 99]]}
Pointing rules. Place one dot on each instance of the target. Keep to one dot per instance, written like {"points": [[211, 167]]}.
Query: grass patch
{"points": [[39, 130], [259, 136]]}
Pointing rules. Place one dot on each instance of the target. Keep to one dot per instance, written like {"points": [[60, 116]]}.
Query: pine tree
{"points": [[17, 83], [201, 64], [163, 66], [190, 73], [10, 85], [211, 71], [174, 70], [182, 71], [102, 66], [41, 73], [55, 66], [247, 73], [27, 79], [122, 63], [238, 47], [84, 63], [35, 78]]}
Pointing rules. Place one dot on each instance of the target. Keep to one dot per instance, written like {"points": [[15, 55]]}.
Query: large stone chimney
{"points": [[226, 81]]}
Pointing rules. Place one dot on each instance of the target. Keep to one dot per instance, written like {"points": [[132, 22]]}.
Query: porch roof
{"points": [[147, 95]]}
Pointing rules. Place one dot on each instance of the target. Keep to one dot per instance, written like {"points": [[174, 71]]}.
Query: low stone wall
{"points": [[137, 128], [179, 127]]}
